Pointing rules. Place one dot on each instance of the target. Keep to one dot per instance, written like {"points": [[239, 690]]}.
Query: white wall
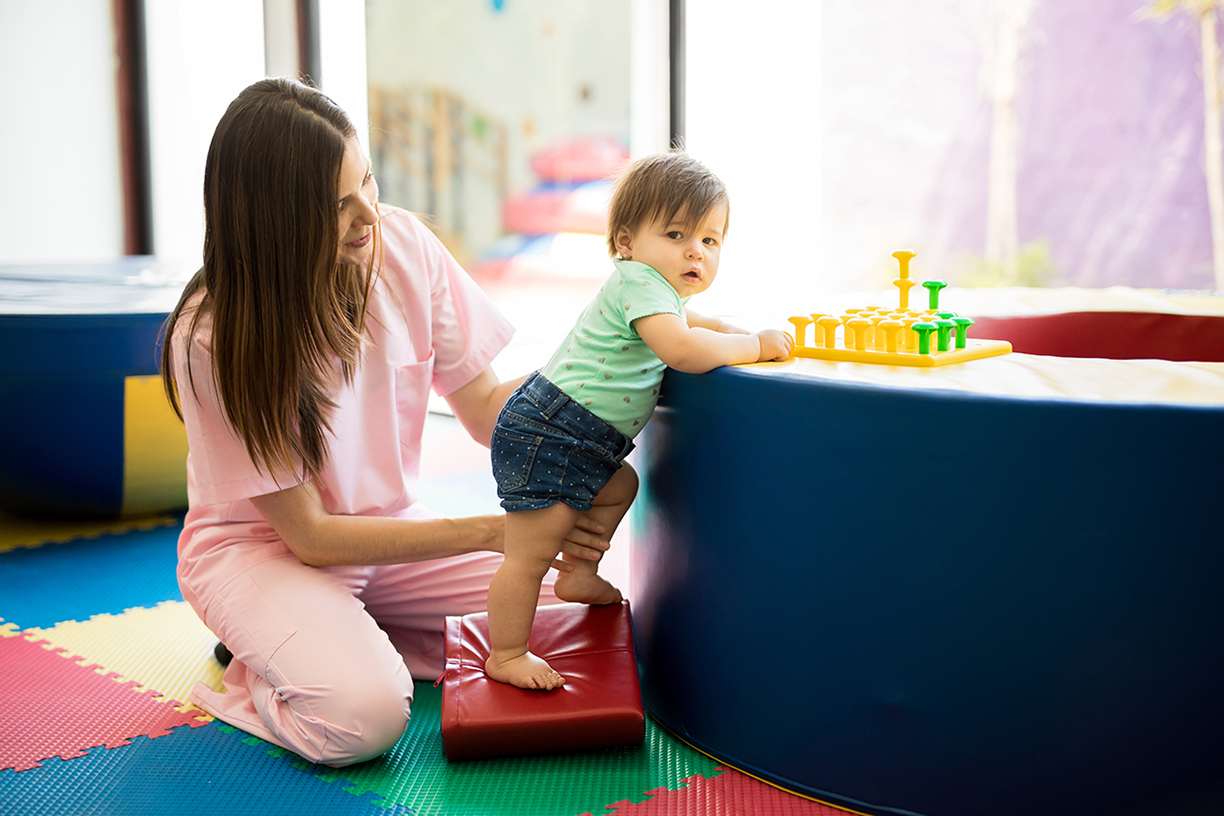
{"points": [[57, 72], [342, 25], [752, 115], [200, 56], [59, 148], [649, 78]]}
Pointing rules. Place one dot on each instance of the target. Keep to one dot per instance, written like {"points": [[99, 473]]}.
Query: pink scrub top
{"points": [[429, 327]]}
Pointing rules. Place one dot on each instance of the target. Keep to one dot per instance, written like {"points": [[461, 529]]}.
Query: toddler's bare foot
{"points": [[586, 588], [525, 671]]}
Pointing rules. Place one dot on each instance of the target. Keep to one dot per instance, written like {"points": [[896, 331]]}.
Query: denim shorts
{"points": [[547, 448]]}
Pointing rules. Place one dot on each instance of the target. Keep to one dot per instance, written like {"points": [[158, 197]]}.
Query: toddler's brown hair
{"points": [[663, 186]]}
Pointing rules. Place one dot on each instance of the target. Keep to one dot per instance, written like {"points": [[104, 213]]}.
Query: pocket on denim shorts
{"points": [[514, 454], [588, 468]]}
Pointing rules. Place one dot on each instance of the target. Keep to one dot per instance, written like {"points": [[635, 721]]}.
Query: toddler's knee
{"points": [[631, 481], [527, 566], [623, 486]]}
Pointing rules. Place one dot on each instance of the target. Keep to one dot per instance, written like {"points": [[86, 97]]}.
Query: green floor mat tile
{"points": [[415, 773]]}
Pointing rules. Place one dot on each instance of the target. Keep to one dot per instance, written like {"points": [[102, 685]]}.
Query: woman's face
{"points": [[358, 202]]}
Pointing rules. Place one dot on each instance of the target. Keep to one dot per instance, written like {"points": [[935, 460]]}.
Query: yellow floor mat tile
{"points": [[164, 648]]}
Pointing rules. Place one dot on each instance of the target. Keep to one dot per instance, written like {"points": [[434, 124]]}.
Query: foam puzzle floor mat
{"points": [[99, 652]]}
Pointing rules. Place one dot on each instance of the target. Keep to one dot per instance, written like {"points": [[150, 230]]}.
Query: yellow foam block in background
{"points": [[154, 449]]}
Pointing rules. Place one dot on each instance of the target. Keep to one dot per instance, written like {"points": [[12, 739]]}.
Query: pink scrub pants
{"points": [[324, 658]]}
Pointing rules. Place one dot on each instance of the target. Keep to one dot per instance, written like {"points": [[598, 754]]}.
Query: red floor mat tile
{"points": [[51, 705], [730, 793]]}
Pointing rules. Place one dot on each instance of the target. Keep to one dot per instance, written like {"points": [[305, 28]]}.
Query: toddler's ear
{"points": [[624, 243]]}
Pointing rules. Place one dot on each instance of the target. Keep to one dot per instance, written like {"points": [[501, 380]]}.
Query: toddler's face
{"points": [[688, 260]]}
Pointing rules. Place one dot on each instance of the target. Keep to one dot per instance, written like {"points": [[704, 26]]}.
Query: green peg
{"points": [[962, 330], [933, 286], [924, 336], [945, 327]]}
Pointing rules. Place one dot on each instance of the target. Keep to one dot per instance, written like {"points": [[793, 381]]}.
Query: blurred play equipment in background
{"points": [[557, 228], [574, 190], [435, 152], [543, 276], [499, 120]]}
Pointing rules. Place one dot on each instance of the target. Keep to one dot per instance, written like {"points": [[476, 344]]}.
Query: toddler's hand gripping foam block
{"points": [[600, 705]]}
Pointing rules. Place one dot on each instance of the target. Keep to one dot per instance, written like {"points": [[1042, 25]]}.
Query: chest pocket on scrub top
{"points": [[412, 387]]}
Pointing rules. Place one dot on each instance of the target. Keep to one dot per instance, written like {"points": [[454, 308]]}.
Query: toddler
{"points": [[560, 440]]}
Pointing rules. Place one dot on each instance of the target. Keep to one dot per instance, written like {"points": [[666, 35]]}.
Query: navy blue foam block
{"points": [[61, 446], [950, 603], [75, 580], [191, 771], [119, 345], [61, 409]]}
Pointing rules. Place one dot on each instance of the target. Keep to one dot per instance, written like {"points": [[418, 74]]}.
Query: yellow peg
{"points": [[911, 337], [877, 336], [903, 282], [846, 317], [903, 257], [904, 335], [890, 329], [800, 323], [829, 323], [858, 326], [816, 332]]}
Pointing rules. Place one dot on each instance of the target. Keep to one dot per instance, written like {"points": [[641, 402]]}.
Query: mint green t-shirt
{"points": [[603, 364]]}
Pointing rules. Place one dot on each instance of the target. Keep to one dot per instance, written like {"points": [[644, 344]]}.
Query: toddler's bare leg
{"points": [[584, 585], [533, 539]]}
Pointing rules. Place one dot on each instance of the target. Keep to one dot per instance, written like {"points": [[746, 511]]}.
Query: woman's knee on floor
{"points": [[366, 722], [337, 716]]}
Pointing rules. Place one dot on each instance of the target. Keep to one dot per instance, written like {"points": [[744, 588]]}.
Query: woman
{"points": [[300, 358]]}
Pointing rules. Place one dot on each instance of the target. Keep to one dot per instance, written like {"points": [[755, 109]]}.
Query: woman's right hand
{"points": [[584, 541], [320, 539]]}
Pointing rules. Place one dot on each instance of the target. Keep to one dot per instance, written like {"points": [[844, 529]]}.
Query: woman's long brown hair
{"points": [[280, 305]]}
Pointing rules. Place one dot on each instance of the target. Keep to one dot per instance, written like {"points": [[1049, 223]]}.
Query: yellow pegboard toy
{"points": [[901, 336]]}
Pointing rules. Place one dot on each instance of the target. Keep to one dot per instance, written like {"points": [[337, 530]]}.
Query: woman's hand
{"points": [[320, 539], [584, 541]]}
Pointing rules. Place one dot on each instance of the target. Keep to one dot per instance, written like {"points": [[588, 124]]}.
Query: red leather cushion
{"points": [[1112, 335], [599, 706]]}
